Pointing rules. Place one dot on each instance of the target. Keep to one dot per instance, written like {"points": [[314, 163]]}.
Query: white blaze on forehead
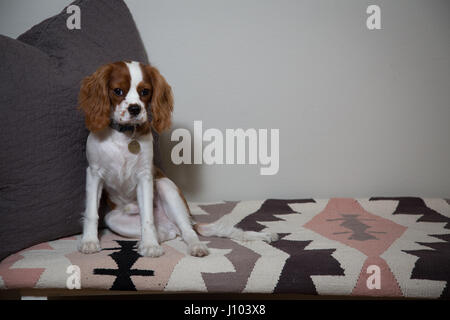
{"points": [[136, 77], [121, 113]]}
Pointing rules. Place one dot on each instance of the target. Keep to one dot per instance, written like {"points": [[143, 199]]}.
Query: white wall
{"points": [[17, 16], [360, 112]]}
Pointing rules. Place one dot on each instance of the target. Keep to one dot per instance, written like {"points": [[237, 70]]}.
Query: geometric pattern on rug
{"points": [[124, 256], [326, 247], [433, 261], [345, 221]]}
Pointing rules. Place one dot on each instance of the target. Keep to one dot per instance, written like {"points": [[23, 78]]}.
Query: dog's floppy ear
{"points": [[161, 102], [94, 100]]}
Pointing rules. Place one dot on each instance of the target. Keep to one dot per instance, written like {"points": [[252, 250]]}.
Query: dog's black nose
{"points": [[134, 109]]}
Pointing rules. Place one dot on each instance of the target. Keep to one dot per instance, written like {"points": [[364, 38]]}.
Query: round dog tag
{"points": [[134, 147]]}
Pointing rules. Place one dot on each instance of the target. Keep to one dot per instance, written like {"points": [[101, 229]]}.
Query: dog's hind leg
{"points": [[222, 229], [124, 223], [225, 227], [127, 223], [177, 211]]}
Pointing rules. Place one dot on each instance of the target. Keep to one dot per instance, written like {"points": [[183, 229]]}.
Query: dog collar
{"points": [[121, 127]]}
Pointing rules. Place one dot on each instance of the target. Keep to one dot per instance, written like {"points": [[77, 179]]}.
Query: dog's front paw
{"points": [[150, 250], [198, 249], [89, 246]]}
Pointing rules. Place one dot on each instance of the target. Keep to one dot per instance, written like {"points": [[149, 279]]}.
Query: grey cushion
{"points": [[42, 141]]}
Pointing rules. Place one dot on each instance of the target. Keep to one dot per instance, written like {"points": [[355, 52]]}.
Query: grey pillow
{"points": [[43, 136]]}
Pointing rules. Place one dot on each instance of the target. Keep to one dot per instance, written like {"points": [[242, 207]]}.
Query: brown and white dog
{"points": [[122, 102]]}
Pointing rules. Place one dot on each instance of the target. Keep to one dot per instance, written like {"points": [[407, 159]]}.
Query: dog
{"points": [[122, 103]]}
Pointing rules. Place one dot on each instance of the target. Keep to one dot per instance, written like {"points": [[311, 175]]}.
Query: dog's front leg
{"points": [[148, 246], [89, 240]]}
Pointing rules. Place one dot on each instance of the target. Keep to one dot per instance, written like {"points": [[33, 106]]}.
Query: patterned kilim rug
{"points": [[388, 247]]}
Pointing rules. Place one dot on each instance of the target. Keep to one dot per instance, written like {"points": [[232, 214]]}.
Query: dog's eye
{"points": [[145, 92], [118, 91]]}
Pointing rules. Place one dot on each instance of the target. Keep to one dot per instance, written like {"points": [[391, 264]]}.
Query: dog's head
{"points": [[128, 93]]}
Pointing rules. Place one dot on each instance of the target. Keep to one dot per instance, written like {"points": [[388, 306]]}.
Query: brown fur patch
{"points": [[97, 94], [161, 98], [158, 174], [111, 204]]}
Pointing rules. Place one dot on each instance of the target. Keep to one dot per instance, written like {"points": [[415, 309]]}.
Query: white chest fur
{"points": [[108, 155]]}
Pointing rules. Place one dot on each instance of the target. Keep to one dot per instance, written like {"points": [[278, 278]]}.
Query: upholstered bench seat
{"points": [[384, 247]]}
